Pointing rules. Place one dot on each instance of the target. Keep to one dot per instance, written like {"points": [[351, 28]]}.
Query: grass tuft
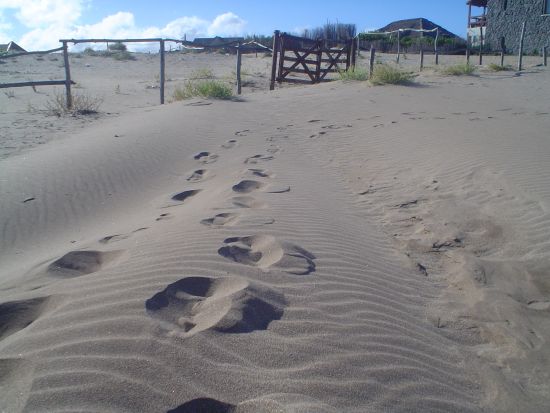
{"points": [[202, 73], [498, 68], [459, 70], [385, 74], [205, 88], [83, 104], [113, 51], [356, 73]]}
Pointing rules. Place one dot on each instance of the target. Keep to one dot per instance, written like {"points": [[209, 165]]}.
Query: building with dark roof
{"points": [[11, 47]]}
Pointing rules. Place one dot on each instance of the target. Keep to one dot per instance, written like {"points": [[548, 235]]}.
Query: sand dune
{"points": [[290, 256]]}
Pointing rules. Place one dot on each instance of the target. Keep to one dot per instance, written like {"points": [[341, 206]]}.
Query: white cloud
{"points": [[42, 13], [227, 24], [48, 21]]}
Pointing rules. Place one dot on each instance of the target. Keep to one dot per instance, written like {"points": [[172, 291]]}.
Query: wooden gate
{"points": [[302, 60]]}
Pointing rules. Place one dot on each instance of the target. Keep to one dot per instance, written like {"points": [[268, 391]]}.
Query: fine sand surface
{"points": [[328, 248]]}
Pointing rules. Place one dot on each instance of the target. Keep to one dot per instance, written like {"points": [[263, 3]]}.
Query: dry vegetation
{"points": [[459, 70], [385, 74], [214, 89], [82, 104]]}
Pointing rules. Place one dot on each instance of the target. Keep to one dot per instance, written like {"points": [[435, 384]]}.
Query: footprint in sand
{"points": [[77, 263], [204, 405], [258, 158], [262, 173], [242, 132], [247, 202], [229, 219], [336, 126], [163, 217], [17, 315], [247, 185], [183, 196], [231, 143], [264, 251], [226, 304], [198, 175], [206, 157], [113, 238], [220, 220], [270, 403]]}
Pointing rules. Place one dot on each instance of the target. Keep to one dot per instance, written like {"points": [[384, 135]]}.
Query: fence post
{"points": [[281, 57], [319, 58], [545, 55], [398, 45], [274, 59], [502, 50], [468, 49], [421, 57], [435, 46], [69, 95], [480, 45], [239, 69], [371, 61], [161, 72], [520, 58], [353, 51]]}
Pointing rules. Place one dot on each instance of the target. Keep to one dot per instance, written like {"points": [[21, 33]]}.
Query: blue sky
{"points": [[37, 24]]}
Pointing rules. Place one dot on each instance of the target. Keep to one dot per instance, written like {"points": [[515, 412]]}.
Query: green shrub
{"points": [[386, 74], [123, 55], [459, 70], [113, 51], [204, 88], [117, 47], [498, 68], [354, 74]]}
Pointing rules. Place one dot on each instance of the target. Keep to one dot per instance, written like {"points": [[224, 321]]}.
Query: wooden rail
{"points": [[31, 53], [35, 83]]}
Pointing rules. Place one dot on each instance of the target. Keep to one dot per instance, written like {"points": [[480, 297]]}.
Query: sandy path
{"points": [[313, 249]]}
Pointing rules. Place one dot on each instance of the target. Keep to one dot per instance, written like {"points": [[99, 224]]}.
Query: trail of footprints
{"points": [[232, 304], [228, 304]]}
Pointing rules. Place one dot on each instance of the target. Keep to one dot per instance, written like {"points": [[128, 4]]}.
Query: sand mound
{"points": [[229, 305], [264, 251], [225, 218]]}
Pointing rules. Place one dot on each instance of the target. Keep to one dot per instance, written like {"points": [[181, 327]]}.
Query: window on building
{"points": [[546, 7], [505, 4]]}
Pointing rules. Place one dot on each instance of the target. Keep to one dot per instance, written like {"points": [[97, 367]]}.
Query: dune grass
{"points": [[82, 104], [385, 74], [498, 68], [458, 70], [202, 73], [213, 89], [356, 73], [113, 52]]}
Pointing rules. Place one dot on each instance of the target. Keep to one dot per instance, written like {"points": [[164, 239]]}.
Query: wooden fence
{"points": [[299, 56], [240, 48], [37, 82]]}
